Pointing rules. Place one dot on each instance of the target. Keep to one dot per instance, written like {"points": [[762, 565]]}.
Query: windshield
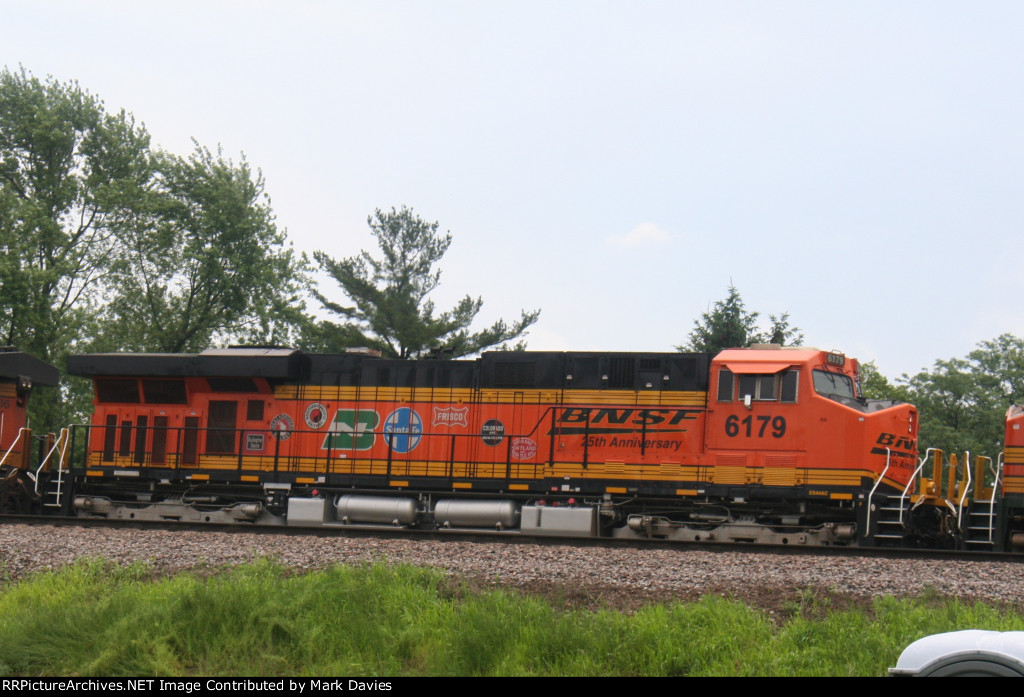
{"points": [[834, 384]]}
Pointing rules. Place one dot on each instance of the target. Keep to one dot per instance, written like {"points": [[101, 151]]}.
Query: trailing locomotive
{"points": [[19, 373], [765, 444]]}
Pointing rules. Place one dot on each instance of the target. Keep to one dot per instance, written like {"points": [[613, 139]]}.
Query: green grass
{"points": [[262, 619]]}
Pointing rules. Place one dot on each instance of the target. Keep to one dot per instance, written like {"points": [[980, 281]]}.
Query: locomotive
{"points": [[19, 373], [765, 444]]}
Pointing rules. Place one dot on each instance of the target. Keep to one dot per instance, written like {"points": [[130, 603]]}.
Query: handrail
{"points": [[967, 488], [61, 440], [871, 494], [998, 472], [3, 459], [913, 477]]}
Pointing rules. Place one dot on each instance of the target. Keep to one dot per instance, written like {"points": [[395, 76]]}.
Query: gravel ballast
{"points": [[615, 576]]}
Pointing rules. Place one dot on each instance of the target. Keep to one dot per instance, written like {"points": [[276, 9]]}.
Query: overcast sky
{"points": [[859, 165]]}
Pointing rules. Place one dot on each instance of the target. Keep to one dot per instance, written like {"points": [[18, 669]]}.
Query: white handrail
{"points": [[998, 472], [21, 432], [913, 478], [963, 494], [871, 494], [61, 440]]}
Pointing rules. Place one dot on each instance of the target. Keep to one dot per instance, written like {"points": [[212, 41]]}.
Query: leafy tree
{"points": [[962, 402], [203, 260], [68, 174], [875, 385], [729, 325], [390, 310], [107, 244]]}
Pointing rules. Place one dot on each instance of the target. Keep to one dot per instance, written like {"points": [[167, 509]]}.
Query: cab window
{"points": [[829, 383], [766, 387]]}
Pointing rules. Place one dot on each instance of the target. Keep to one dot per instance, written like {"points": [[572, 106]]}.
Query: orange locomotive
{"points": [[1010, 506], [19, 373], [765, 444]]}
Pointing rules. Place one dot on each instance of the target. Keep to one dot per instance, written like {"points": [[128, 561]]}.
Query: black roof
{"points": [[493, 370], [15, 364], [224, 363]]}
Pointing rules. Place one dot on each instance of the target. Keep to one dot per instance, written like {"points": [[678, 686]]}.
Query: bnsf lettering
{"points": [[637, 417], [896, 442]]}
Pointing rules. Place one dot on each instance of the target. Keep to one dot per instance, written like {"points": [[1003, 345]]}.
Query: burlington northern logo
{"points": [[581, 420], [352, 430]]}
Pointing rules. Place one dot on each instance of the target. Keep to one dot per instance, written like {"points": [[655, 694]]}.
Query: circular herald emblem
{"points": [[281, 427], [403, 429], [316, 415], [493, 432]]}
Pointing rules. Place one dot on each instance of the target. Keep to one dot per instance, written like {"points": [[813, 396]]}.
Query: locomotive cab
{"points": [[791, 423]]}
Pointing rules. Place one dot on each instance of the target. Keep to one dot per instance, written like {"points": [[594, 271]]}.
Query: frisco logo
{"points": [[451, 416]]}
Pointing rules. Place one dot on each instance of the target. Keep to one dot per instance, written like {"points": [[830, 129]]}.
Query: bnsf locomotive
{"points": [[766, 444], [19, 373]]}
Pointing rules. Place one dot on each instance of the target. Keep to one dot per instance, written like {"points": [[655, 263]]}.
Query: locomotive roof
{"points": [[770, 360], [249, 363], [498, 369], [14, 364]]}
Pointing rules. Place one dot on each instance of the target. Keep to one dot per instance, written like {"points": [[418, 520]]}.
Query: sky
{"points": [[616, 164]]}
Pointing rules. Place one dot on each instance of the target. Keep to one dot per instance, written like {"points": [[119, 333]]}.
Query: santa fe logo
{"points": [[352, 429]]}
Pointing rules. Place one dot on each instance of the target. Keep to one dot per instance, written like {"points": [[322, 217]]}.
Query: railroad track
{"points": [[515, 538]]}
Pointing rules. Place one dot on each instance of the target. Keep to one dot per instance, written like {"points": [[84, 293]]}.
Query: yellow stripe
{"points": [[304, 480], [523, 474], [199, 477], [568, 398], [93, 473], [462, 485], [1014, 455], [841, 497]]}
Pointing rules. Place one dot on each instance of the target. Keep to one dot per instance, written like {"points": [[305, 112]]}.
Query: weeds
{"points": [[97, 618]]}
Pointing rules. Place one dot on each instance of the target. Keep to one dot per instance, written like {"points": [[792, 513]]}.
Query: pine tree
{"points": [[390, 310]]}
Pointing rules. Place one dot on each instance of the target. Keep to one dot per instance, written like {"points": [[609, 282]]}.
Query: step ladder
{"points": [[980, 532], [890, 517]]}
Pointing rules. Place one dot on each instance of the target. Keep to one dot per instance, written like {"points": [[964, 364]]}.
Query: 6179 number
{"points": [[748, 427]]}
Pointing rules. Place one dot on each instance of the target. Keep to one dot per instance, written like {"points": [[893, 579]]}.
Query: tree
{"points": [[729, 325], [390, 310], [962, 402], [108, 244], [875, 385], [68, 174], [203, 259]]}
